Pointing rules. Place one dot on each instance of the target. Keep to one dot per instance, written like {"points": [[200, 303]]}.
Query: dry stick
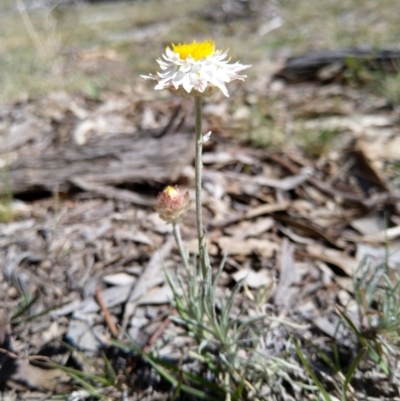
{"points": [[170, 125], [257, 211], [107, 315], [367, 203], [160, 330]]}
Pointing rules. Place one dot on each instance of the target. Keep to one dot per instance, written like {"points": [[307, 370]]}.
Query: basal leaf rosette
{"points": [[172, 204], [196, 69]]}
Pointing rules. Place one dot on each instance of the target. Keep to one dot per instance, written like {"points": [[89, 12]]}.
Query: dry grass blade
{"points": [[148, 278]]}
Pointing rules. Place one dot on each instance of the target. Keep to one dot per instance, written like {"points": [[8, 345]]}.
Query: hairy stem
{"points": [[198, 179], [177, 234]]}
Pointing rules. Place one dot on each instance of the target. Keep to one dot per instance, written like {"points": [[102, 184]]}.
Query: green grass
{"points": [[389, 87], [343, 380], [40, 48], [377, 293], [377, 331], [315, 144]]}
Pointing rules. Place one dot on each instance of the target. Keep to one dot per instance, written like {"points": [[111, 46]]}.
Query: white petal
{"points": [[187, 84], [208, 72], [206, 137], [201, 85]]}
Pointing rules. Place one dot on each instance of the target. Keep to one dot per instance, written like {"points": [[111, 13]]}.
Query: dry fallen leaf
{"points": [[233, 246], [380, 254], [254, 279], [246, 229], [20, 374], [369, 225], [119, 279], [334, 257], [288, 275]]}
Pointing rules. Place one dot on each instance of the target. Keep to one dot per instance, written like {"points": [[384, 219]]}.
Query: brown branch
{"points": [[107, 315], [160, 330]]}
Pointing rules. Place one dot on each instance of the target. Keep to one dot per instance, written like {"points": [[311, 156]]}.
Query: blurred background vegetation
{"points": [[83, 46]]}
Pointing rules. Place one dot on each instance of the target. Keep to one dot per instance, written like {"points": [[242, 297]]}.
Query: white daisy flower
{"points": [[196, 69]]}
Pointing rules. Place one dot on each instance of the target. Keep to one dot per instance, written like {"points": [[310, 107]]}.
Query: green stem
{"points": [[198, 171]]}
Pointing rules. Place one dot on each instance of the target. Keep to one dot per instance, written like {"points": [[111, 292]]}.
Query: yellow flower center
{"points": [[195, 50], [171, 192]]}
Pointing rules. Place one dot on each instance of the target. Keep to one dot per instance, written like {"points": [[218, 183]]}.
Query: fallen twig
{"points": [[107, 315]]}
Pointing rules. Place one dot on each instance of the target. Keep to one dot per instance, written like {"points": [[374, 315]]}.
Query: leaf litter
{"points": [[90, 238]]}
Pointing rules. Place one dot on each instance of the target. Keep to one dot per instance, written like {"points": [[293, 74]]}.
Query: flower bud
{"points": [[171, 204]]}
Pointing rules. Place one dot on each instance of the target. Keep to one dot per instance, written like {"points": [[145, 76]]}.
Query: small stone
{"points": [[12, 293], [138, 321], [85, 337], [152, 312]]}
